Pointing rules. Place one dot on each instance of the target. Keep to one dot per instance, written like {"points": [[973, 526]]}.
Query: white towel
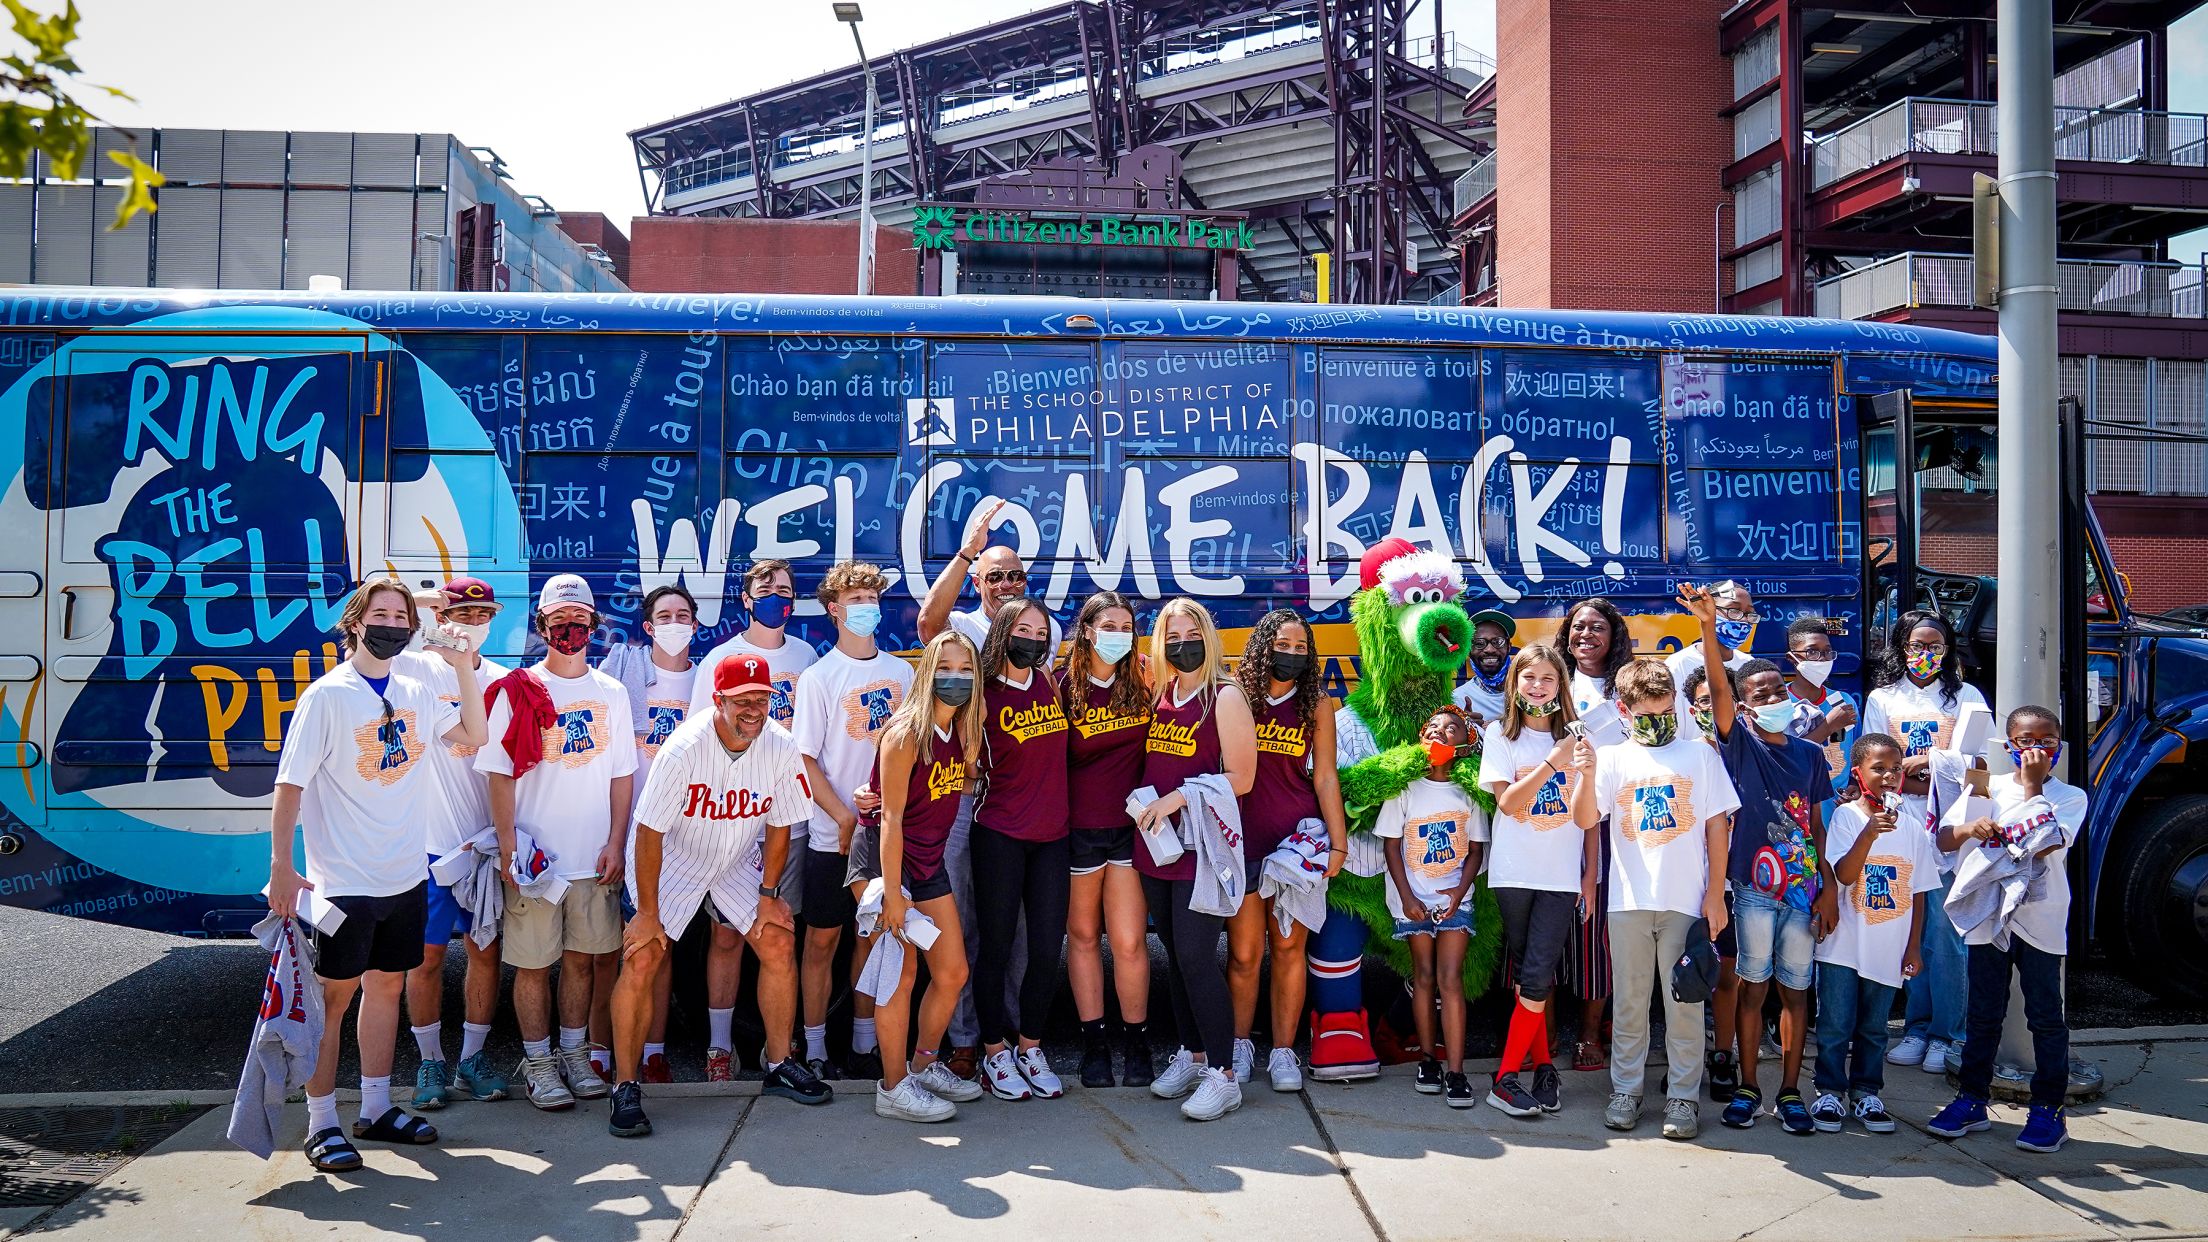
{"points": [[885, 965], [1293, 877]]}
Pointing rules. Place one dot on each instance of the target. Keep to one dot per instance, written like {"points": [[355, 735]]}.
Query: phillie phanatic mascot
{"points": [[1412, 637]]}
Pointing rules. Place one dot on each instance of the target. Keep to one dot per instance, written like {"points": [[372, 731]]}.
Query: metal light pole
{"points": [[848, 13]]}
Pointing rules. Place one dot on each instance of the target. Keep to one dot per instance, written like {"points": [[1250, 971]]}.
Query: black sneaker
{"points": [[1096, 1056], [1134, 1057], [1721, 1076], [864, 1066], [1511, 1096], [1429, 1077], [823, 1068], [1456, 1091], [627, 1119], [795, 1080], [1548, 1089]]}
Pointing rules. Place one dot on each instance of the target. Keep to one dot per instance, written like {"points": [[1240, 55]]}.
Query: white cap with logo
{"points": [[563, 589]]}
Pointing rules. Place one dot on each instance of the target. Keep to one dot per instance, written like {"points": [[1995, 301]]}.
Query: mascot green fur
{"points": [[1412, 637]]}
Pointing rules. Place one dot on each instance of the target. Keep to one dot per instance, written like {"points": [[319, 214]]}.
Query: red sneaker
{"points": [[719, 1067], [1341, 1047], [656, 1068]]}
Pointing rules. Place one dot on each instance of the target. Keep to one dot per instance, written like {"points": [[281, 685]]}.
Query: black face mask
{"points": [[385, 641], [1186, 655], [956, 689], [1289, 665], [1025, 652]]}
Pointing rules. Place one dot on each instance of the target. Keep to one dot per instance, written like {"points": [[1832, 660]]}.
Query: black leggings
{"points": [[1009, 877], [1203, 1011]]}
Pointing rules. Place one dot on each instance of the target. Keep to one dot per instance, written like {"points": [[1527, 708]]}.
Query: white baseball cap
{"points": [[563, 589]]}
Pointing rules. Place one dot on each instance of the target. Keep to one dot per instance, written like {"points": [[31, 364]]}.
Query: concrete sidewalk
{"points": [[1371, 1160]]}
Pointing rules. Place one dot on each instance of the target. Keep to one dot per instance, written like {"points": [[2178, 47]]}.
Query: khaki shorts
{"points": [[587, 920]]}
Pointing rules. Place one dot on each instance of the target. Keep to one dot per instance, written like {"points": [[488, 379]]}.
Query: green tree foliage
{"points": [[39, 110]]}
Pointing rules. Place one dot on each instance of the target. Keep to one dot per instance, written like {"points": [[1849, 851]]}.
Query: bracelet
{"points": [[1337, 849]]}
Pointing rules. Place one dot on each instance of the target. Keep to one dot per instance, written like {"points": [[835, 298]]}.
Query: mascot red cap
{"points": [[1368, 566]]}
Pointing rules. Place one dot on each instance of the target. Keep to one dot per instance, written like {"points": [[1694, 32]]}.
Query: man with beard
{"points": [[1481, 698]]}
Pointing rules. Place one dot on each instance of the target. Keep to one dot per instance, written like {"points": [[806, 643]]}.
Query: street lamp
{"points": [[848, 13]]}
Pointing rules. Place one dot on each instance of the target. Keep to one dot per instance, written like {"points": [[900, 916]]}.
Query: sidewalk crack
{"points": [[1334, 1153], [720, 1159]]}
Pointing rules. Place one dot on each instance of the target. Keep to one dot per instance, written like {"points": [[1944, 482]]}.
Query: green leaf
{"points": [[138, 196]]}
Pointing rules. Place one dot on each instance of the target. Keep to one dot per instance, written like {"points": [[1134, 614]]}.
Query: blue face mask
{"points": [[862, 619], [1113, 645], [1774, 717], [772, 610], [1735, 634], [2054, 755]]}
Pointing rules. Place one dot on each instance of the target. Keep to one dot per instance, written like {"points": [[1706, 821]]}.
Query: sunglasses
{"points": [[999, 577]]}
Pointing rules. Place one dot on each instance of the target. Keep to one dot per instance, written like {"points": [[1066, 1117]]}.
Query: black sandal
{"points": [[396, 1126], [330, 1152]]}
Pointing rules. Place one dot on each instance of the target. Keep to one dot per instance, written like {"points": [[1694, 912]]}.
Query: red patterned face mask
{"points": [[568, 638]]}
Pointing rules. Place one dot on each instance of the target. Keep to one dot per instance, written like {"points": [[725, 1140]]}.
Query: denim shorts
{"points": [[1460, 921], [1773, 936]]}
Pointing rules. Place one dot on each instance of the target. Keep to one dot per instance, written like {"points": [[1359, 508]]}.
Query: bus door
{"points": [[202, 494], [23, 587]]}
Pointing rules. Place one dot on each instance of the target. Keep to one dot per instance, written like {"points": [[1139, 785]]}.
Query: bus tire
{"points": [[2162, 899]]}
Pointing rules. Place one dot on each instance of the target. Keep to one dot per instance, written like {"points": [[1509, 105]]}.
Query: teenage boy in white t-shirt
{"points": [[670, 622], [463, 808], [1669, 802], [351, 780], [770, 597], [574, 802], [842, 704]]}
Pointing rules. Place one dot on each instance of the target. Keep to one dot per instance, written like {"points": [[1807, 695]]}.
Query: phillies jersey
{"points": [[713, 808]]}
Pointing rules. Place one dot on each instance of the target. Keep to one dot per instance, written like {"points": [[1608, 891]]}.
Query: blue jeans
{"points": [[1851, 1026], [1937, 996], [2039, 975]]}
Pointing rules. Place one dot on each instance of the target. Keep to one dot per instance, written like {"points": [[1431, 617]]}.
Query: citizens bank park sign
{"points": [[940, 226]]}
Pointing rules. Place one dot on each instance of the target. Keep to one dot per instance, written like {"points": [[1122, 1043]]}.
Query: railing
{"points": [[2089, 286], [1965, 127], [1476, 183], [1420, 51], [1451, 296]]}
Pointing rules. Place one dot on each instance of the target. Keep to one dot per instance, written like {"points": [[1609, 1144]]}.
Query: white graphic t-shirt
{"points": [[1658, 801], [2044, 918], [666, 706], [1872, 935], [565, 801], [785, 664], [1684, 661], [461, 807], [1543, 850], [1596, 710], [842, 705], [1923, 720], [1437, 825], [363, 780]]}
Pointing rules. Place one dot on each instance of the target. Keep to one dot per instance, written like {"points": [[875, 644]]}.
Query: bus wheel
{"points": [[2162, 899]]}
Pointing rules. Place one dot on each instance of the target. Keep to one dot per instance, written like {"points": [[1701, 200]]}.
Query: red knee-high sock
{"points": [[1525, 1026], [1540, 1036]]}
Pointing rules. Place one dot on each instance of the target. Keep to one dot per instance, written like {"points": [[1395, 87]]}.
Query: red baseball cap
{"points": [[739, 673], [469, 592], [1368, 568]]}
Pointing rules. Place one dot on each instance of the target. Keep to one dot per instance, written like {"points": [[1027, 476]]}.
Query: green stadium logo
{"points": [[933, 226]]}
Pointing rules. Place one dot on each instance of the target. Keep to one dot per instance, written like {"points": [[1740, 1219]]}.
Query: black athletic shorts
{"points": [[937, 885], [1091, 848], [379, 933], [828, 900], [1537, 925]]}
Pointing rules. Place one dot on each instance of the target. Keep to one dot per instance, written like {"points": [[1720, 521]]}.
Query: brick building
{"points": [[707, 254]]}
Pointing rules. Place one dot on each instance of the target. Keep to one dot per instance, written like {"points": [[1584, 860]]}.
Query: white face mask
{"points": [[673, 637], [1814, 671], [477, 634]]}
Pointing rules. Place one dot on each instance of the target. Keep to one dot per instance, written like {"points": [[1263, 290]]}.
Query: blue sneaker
{"points": [[480, 1080], [431, 1080], [1962, 1116], [2044, 1130], [1740, 1114]]}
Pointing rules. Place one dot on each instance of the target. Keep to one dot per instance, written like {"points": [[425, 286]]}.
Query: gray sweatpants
{"points": [[1643, 946], [965, 1024]]}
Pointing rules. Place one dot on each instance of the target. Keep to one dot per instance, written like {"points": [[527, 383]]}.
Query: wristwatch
{"points": [[771, 890]]}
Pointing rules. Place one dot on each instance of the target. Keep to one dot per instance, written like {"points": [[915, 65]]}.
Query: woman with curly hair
{"points": [[1597, 644], [1106, 696], [1295, 782]]}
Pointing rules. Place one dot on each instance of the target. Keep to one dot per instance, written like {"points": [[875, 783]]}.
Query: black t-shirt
{"points": [[1781, 786]]}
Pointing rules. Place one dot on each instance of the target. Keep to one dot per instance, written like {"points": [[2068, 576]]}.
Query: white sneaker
{"points": [[1216, 1096], [1245, 1056], [1179, 1077], [909, 1101], [540, 1076], [1909, 1051], [581, 1078], [1286, 1071], [938, 1080], [1035, 1068], [1936, 1056], [1002, 1073]]}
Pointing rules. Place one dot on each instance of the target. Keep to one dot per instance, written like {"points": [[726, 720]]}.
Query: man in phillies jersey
{"points": [[713, 823]]}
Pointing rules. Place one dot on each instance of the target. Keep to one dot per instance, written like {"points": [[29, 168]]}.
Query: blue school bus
{"points": [[193, 481]]}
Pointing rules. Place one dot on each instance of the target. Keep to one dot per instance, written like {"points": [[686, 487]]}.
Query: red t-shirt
{"points": [[1282, 795], [1183, 741], [1024, 756], [931, 804], [1104, 759]]}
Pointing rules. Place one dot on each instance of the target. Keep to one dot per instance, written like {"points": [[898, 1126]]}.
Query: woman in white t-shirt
{"points": [[1920, 701], [1536, 862]]}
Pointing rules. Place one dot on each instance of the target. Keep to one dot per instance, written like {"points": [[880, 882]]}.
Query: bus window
{"points": [[1016, 420], [1759, 446], [1574, 458]]}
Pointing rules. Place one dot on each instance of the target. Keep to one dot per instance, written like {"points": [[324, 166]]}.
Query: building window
{"points": [[2119, 387], [1756, 267], [2180, 385], [1756, 207], [1757, 61], [1756, 127]]}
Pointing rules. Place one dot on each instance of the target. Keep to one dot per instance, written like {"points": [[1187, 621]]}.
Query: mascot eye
{"points": [[1422, 595]]}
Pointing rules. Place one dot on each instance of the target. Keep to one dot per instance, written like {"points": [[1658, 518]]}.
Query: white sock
{"points": [[654, 1050], [720, 1022], [375, 1097], [536, 1047], [601, 1060], [573, 1037], [430, 1040], [321, 1113], [472, 1038], [862, 1035], [816, 1043]]}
